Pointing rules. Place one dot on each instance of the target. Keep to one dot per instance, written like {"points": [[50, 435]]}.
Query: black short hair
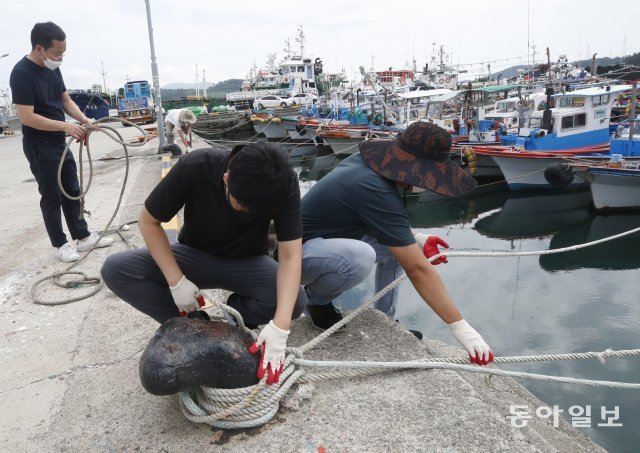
{"points": [[261, 177], [43, 33]]}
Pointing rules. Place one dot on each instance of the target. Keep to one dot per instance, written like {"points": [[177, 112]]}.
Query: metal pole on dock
{"points": [[156, 80]]}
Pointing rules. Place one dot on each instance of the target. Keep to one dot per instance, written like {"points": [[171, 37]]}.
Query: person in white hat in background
{"points": [[182, 120]]}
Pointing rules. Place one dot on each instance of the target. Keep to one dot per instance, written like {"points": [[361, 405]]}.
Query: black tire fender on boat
{"points": [[559, 175]]}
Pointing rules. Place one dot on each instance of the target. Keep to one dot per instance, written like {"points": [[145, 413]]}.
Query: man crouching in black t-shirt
{"points": [[229, 200]]}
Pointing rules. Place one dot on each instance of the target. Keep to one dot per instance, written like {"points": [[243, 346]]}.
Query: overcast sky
{"points": [[225, 37]]}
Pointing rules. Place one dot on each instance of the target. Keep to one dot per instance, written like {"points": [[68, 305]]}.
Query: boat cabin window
{"points": [[506, 107], [571, 121], [434, 110], [572, 101], [542, 104], [300, 68], [535, 122], [603, 99]]}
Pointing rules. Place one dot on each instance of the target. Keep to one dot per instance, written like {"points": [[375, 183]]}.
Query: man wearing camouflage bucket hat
{"points": [[356, 217]]}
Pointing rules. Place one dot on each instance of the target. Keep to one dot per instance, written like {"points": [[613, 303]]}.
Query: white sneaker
{"points": [[88, 242], [68, 253]]}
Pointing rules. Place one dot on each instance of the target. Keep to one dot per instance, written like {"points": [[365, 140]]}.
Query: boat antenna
{"points": [[300, 39], [528, 45], [287, 49]]}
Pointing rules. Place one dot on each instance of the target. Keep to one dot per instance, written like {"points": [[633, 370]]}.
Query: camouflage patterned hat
{"points": [[420, 156]]}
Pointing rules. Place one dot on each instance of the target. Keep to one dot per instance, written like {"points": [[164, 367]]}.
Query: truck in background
{"points": [[137, 106]]}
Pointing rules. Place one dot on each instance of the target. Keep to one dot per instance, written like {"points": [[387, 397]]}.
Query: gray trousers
{"points": [[134, 276], [168, 132]]}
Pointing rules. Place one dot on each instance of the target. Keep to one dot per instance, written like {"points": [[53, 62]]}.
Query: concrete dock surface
{"points": [[70, 372]]}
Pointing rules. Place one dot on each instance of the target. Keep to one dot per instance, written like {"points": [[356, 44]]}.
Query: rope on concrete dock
{"points": [[255, 405], [85, 280]]}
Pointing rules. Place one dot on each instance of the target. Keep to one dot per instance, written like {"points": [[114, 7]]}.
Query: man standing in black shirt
{"points": [[229, 200], [41, 100]]}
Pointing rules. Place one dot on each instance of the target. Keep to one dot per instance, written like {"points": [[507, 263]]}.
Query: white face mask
{"points": [[51, 64]]}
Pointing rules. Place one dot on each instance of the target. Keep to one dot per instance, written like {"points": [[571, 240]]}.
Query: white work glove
{"points": [[272, 340], [479, 351], [189, 149], [184, 295], [429, 245]]}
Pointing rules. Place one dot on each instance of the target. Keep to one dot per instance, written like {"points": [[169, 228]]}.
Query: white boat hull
{"points": [[270, 129], [305, 133], [616, 190], [343, 146], [528, 173], [486, 168]]}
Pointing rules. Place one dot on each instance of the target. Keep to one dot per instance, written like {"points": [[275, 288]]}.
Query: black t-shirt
{"points": [[210, 224], [42, 88], [353, 200]]}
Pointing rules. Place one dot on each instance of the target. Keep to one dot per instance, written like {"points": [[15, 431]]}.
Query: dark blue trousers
{"points": [[44, 159]]}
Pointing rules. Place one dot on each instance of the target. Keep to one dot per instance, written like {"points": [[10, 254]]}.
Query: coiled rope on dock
{"points": [[255, 405], [85, 280]]}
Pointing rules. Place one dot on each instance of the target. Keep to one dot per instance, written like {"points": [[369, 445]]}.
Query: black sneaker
{"points": [[417, 334], [325, 316]]}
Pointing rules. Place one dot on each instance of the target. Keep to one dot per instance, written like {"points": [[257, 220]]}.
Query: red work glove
{"points": [[429, 245], [479, 351], [272, 340]]}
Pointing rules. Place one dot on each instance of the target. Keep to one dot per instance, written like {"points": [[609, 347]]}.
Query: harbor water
{"points": [[577, 301]]}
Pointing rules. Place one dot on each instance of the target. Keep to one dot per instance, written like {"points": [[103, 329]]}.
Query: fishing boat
{"points": [[296, 73], [572, 124], [219, 124], [93, 104], [9, 121], [615, 188], [345, 141], [615, 183]]}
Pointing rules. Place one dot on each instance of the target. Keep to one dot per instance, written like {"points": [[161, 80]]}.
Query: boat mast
{"points": [[204, 85], [197, 85], [632, 109], [104, 82], [546, 115], [301, 40]]}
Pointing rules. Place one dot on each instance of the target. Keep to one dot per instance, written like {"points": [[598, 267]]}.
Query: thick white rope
{"points": [[112, 133], [255, 405]]}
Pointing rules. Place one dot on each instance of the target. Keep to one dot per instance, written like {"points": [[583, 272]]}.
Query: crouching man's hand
{"points": [[429, 246], [273, 341], [479, 351], [185, 295]]}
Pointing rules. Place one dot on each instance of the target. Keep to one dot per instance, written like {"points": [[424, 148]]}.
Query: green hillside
{"points": [[216, 91]]}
